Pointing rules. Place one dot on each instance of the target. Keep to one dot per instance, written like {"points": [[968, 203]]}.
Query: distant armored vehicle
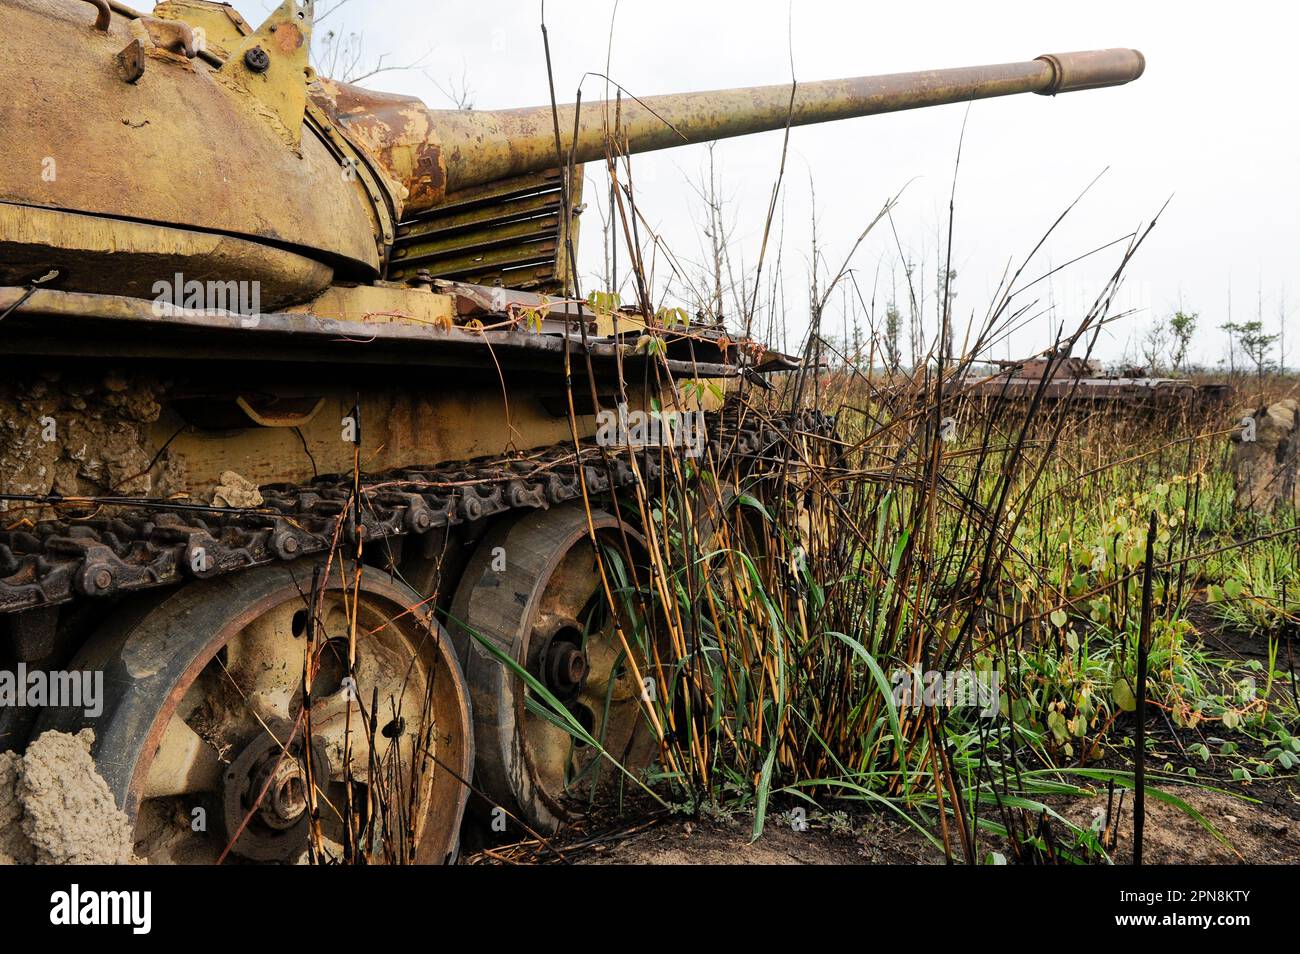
{"points": [[1086, 383]]}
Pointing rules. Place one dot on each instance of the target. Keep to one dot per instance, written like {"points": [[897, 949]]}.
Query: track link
{"points": [[146, 543]]}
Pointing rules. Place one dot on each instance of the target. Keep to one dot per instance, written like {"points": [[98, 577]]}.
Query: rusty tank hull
{"points": [[286, 363], [1084, 385]]}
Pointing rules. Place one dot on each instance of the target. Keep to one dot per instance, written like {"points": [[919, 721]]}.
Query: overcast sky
{"points": [[1213, 124]]}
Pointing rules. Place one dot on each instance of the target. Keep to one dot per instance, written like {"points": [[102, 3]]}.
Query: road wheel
{"points": [[202, 740]]}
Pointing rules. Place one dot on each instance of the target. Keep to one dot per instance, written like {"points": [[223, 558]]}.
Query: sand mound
{"points": [[15, 849], [55, 809]]}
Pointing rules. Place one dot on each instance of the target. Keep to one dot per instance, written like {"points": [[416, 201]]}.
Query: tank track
{"points": [[148, 543]]}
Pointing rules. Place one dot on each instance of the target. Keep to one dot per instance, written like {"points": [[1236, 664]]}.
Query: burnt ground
{"points": [[665, 838], [1259, 818], [1245, 832], [679, 842], [1254, 822], [1251, 833]]}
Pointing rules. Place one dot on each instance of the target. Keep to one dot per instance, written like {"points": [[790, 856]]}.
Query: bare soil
{"points": [[1248, 832], [680, 842]]}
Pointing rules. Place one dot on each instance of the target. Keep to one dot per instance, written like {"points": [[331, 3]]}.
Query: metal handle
{"points": [[173, 35], [105, 17]]}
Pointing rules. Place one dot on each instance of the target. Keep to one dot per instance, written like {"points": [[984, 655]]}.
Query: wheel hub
{"points": [[565, 667], [285, 782], [274, 828]]}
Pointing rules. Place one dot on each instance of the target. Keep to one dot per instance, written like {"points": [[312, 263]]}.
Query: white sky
{"points": [[1212, 123]]}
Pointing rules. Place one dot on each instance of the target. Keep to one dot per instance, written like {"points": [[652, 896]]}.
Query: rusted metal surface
{"points": [[326, 169], [36, 326], [1084, 382], [510, 234], [104, 15], [173, 35], [485, 304], [268, 68], [222, 25], [146, 152], [196, 430], [381, 303], [36, 240], [147, 543], [538, 611], [130, 62], [273, 410], [1265, 457], [434, 152], [168, 731], [1091, 69], [398, 131], [381, 193]]}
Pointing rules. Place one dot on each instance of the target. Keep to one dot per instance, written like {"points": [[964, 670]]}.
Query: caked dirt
{"points": [[55, 809], [81, 436]]}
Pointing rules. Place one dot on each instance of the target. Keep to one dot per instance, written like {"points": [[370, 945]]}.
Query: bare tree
{"points": [[944, 293], [893, 325], [718, 233], [1281, 328], [1233, 329], [458, 91], [1155, 341], [339, 52]]}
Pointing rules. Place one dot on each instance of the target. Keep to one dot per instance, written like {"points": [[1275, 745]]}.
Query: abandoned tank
{"points": [[1083, 383], [261, 329]]}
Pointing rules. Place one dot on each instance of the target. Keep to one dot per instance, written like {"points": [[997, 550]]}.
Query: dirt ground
{"points": [[1255, 834], [678, 842], [1258, 823]]}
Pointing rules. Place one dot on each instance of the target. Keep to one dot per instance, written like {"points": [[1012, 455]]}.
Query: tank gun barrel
{"points": [[432, 152]]}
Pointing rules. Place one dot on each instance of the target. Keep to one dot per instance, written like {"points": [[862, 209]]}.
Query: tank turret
{"points": [[189, 137]]}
